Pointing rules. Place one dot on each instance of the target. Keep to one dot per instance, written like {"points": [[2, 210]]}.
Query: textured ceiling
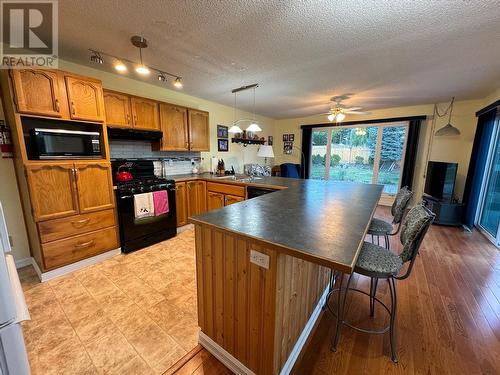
{"points": [[389, 53]]}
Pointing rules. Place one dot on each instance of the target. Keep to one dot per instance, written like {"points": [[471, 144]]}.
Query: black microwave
{"points": [[65, 144]]}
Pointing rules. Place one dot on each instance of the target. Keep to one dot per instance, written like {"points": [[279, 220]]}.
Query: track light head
{"points": [[161, 77], [178, 82], [95, 57]]}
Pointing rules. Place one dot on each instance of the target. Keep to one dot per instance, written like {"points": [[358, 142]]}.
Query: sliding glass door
{"points": [[366, 154], [489, 213]]}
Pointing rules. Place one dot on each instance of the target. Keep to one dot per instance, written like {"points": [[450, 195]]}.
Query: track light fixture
{"points": [[95, 57], [120, 63]]}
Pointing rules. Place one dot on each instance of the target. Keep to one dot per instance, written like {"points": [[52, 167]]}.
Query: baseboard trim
{"points": [[223, 356], [299, 345], [46, 276], [23, 262]]}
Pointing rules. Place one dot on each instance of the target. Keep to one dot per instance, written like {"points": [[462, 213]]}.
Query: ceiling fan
{"points": [[338, 111]]}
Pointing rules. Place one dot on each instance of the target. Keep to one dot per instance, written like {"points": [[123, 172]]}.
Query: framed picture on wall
{"points": [[285, 137], [287, 148], [270, 140], [291, 137], [222, 145], [222, 131]]}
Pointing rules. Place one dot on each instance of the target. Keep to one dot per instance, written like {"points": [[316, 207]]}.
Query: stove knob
{"points": [[132, 190]]}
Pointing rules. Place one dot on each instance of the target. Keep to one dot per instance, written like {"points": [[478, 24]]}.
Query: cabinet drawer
{"points": [[70, 250], [56, 229], [226, 189]]}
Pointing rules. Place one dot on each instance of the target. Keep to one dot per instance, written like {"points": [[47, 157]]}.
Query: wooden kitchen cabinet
{"points": [[214, 200], [117, 108], [181, 203], [231, 199], [145, 113], [196, 197], [199, 135], [94, 186], [38, 92], [52, 190], [174, 125], [85, 98]]}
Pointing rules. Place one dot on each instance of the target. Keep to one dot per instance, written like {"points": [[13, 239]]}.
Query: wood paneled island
{"points": [[263, 268]]}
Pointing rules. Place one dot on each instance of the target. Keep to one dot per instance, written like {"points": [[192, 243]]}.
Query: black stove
{"points": [[139, 233]]}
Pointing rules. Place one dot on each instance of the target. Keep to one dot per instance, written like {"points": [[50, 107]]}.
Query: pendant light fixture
{"points": [[254, 125], [448, 129]]}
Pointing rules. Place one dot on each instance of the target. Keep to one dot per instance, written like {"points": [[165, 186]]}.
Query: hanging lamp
{"points": [[448, 129]]}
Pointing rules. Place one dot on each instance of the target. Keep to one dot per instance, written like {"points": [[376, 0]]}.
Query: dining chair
{"points": [[381, 228], [377, 263]]}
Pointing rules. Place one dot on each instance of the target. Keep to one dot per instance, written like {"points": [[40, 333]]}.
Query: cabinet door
{"points": [[37, 92], [230, 199], [197, 197], [199, 135], [52, 190], [145, 113], [85, 99], [117, 108], [94, 186], [180, 203], [173, 124], [214, 200]]}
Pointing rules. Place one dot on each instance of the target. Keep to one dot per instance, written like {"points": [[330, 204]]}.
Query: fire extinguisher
{"points": [[5, 141]]}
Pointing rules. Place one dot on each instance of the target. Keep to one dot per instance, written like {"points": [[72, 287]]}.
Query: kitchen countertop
{"points": [[324, 222], [277, 182]]}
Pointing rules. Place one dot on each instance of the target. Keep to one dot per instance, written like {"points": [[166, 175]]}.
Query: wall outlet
{"points": [[259, 259]]}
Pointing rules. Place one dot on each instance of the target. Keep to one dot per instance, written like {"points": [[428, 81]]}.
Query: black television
{"points": [[440, 180]]}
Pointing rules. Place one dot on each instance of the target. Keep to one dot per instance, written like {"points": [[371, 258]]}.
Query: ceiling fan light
{"points": [[340, 117], [142, 69], [331, 117], [235, 129], [254, 128]]}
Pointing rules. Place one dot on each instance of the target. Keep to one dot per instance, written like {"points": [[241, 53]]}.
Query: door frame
{"points": [[485, 180]]}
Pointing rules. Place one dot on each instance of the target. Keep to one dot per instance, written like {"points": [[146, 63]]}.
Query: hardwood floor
{"points": [[448, 318]]}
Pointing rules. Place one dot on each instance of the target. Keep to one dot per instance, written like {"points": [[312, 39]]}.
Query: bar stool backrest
{"points": [[414, 228], [400, 203]]}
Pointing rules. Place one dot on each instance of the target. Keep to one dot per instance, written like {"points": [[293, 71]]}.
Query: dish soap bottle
{"points": [[195, 168]]}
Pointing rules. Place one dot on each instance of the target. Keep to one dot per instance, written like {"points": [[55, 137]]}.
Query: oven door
{"points": [[66, 144], [139, 233]]}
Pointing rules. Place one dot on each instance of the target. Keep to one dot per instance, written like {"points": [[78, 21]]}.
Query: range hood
{"points": [[134, 134]]}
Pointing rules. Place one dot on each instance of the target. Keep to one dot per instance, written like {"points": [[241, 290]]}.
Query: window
{"points": [[371, 154]]}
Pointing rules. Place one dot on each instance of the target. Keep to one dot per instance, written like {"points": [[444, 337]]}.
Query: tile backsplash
{"points": [[125, 149]]}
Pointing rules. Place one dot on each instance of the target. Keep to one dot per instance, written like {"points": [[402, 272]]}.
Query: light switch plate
{"points": [[259, 259]]}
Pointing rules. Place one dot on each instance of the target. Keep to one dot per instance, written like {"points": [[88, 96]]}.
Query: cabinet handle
{"points": [[82, 245], [58, 107], [128, 118], [73, 110], [80, 223], [186, 145], [135, 119]]}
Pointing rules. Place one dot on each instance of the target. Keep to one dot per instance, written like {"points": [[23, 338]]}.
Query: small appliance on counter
{"points": [[137, 233]]}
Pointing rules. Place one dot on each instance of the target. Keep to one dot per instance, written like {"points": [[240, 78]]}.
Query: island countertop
{"points": [[324, 222]]}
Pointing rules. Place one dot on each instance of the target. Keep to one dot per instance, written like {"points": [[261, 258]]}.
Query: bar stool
{"points": [[377, 263], [381, 228]]}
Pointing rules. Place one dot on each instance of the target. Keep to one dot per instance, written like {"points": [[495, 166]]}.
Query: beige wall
{"points": [[453, 149], [11, 202], [219, 114]]}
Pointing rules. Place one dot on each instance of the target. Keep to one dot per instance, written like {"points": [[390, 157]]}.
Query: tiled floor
{"points": [[132, 314]]}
